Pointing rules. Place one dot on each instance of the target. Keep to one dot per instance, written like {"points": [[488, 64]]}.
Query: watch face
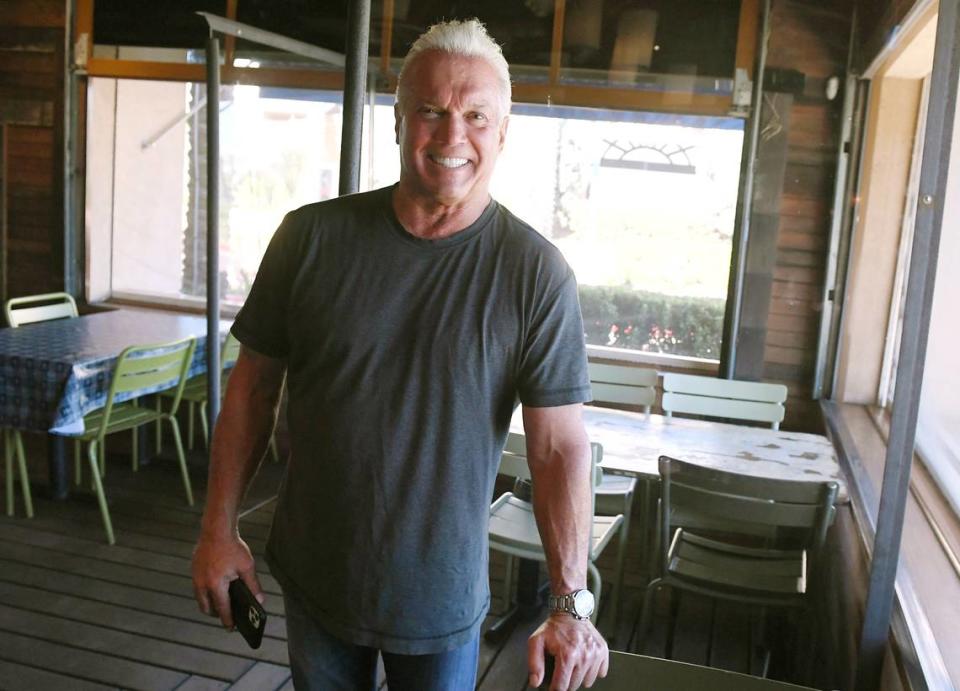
{"points": [[583, 603]]}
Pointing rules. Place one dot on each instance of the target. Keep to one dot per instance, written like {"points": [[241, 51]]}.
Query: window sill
{"points": [[185, 305], [926, 618], [658, 360]]}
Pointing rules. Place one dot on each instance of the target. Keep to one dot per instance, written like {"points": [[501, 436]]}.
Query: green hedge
{"points": [[652, 322]]}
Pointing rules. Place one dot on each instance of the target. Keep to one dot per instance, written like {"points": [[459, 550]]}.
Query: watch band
{"points": [[565, 603]]}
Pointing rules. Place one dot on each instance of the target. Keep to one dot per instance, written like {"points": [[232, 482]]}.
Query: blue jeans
{"points": [[322, 662]]}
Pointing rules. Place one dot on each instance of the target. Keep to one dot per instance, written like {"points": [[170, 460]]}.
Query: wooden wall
{"points": [[876, 20], [812, 38], [31, 118]]}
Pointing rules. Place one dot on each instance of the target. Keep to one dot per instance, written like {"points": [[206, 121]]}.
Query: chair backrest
{"points": [[728, 502], [154, 367], [629, 672], [725, 398], [39, 308], [623, 385], [230, 351]]}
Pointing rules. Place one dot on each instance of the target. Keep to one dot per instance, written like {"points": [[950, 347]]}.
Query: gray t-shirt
{"points": [[405, 360]]}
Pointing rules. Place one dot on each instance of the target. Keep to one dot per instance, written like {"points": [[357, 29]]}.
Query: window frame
{"points": [[553, 92]]}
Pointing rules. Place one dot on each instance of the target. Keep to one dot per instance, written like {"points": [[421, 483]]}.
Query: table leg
{"points": [[57, 464]]}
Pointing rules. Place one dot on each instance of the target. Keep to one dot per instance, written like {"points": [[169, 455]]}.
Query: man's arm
{"points": [[559, 456], [240, 439]]}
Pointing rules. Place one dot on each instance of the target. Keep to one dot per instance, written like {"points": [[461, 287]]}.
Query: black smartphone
{"points": [[249, 617]]}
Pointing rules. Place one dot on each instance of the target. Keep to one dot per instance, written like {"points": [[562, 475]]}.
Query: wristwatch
{"points": [[579, 604]]}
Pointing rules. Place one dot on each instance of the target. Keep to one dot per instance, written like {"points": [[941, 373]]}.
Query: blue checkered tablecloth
{"points": [[53, 373]]}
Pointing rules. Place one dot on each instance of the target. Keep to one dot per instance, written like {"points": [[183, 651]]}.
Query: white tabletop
{"points": [[632, 443]]}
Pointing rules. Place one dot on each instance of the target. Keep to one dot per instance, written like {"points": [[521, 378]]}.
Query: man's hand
{"points": [[217, 562], [579, 652]]}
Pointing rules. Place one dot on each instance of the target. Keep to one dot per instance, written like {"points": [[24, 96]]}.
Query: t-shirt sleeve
{"points": [[261, 324], [553, 368]]}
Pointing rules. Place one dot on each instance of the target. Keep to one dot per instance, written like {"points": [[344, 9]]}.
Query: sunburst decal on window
{"points": [[662, 159]]}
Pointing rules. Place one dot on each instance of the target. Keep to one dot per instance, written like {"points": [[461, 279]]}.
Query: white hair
{"points": [[466, 37]]}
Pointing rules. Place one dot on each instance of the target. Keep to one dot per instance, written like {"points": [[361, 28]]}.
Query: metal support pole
{"points": [[728, 348], [213, 229], [73, 200], [354, 90], [913, 346]]}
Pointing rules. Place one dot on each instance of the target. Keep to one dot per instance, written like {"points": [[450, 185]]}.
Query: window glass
{"points": [[938, 421], [146, 211], [641, 204]]}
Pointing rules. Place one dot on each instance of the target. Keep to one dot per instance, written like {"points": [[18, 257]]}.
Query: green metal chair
{"points": [[714, 549], [19, 311], [724, 398], [195, 394], [138, 368], [633, 386], [13, 444], [39, 308], [513, 528], [629, 672]]}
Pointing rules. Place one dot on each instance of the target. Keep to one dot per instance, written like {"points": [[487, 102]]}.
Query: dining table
{"points": [[633, 443], [53, 373]]}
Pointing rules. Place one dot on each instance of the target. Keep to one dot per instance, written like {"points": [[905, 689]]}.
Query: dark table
{"points": [[53, 373]]}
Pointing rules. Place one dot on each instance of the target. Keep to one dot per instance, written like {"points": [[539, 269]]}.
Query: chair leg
{"points": [[191, 406], [102, 456], [135, 451], [182, 459], [205, 425], [646, 613], [645, 503], [508, 584], [273, 447], [24, 477], [594, 575], [77, 465], [621, 553], [93, 455], [158, 429], [8, 464]]}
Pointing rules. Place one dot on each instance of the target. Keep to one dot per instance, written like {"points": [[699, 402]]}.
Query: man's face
{"points": [[450, 128]]}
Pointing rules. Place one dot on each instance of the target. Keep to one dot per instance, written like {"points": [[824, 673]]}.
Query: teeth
{"points": [[449, 162]]}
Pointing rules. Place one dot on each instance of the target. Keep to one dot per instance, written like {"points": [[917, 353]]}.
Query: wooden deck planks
{"points": [[262, 677], [14, 675], [77, 613], [77, 538], [83, 664], [131, 646], [156, 626]]}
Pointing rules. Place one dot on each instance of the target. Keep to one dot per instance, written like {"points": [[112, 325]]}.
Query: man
{"points": [[408, 320]]}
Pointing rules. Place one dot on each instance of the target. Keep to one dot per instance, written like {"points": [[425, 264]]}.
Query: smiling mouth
{"points": [[449, 162]]}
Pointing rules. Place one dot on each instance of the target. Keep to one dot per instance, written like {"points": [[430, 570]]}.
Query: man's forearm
{"points": [[560, 467], [240, 439]]}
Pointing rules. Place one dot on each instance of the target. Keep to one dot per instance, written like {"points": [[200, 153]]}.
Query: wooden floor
{"points": [[76, 613]]}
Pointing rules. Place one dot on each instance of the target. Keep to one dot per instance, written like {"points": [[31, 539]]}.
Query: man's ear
{"points": [[503, 130], [397, 119]]}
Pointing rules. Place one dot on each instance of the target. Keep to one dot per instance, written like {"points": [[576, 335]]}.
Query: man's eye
{"points": [[478, 116], [426, 111]]}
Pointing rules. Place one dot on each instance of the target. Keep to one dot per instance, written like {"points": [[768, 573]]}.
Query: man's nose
{"points": [[452, 130]]}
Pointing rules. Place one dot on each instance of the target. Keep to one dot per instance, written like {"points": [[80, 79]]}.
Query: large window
{"points": [[642, 205]]}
